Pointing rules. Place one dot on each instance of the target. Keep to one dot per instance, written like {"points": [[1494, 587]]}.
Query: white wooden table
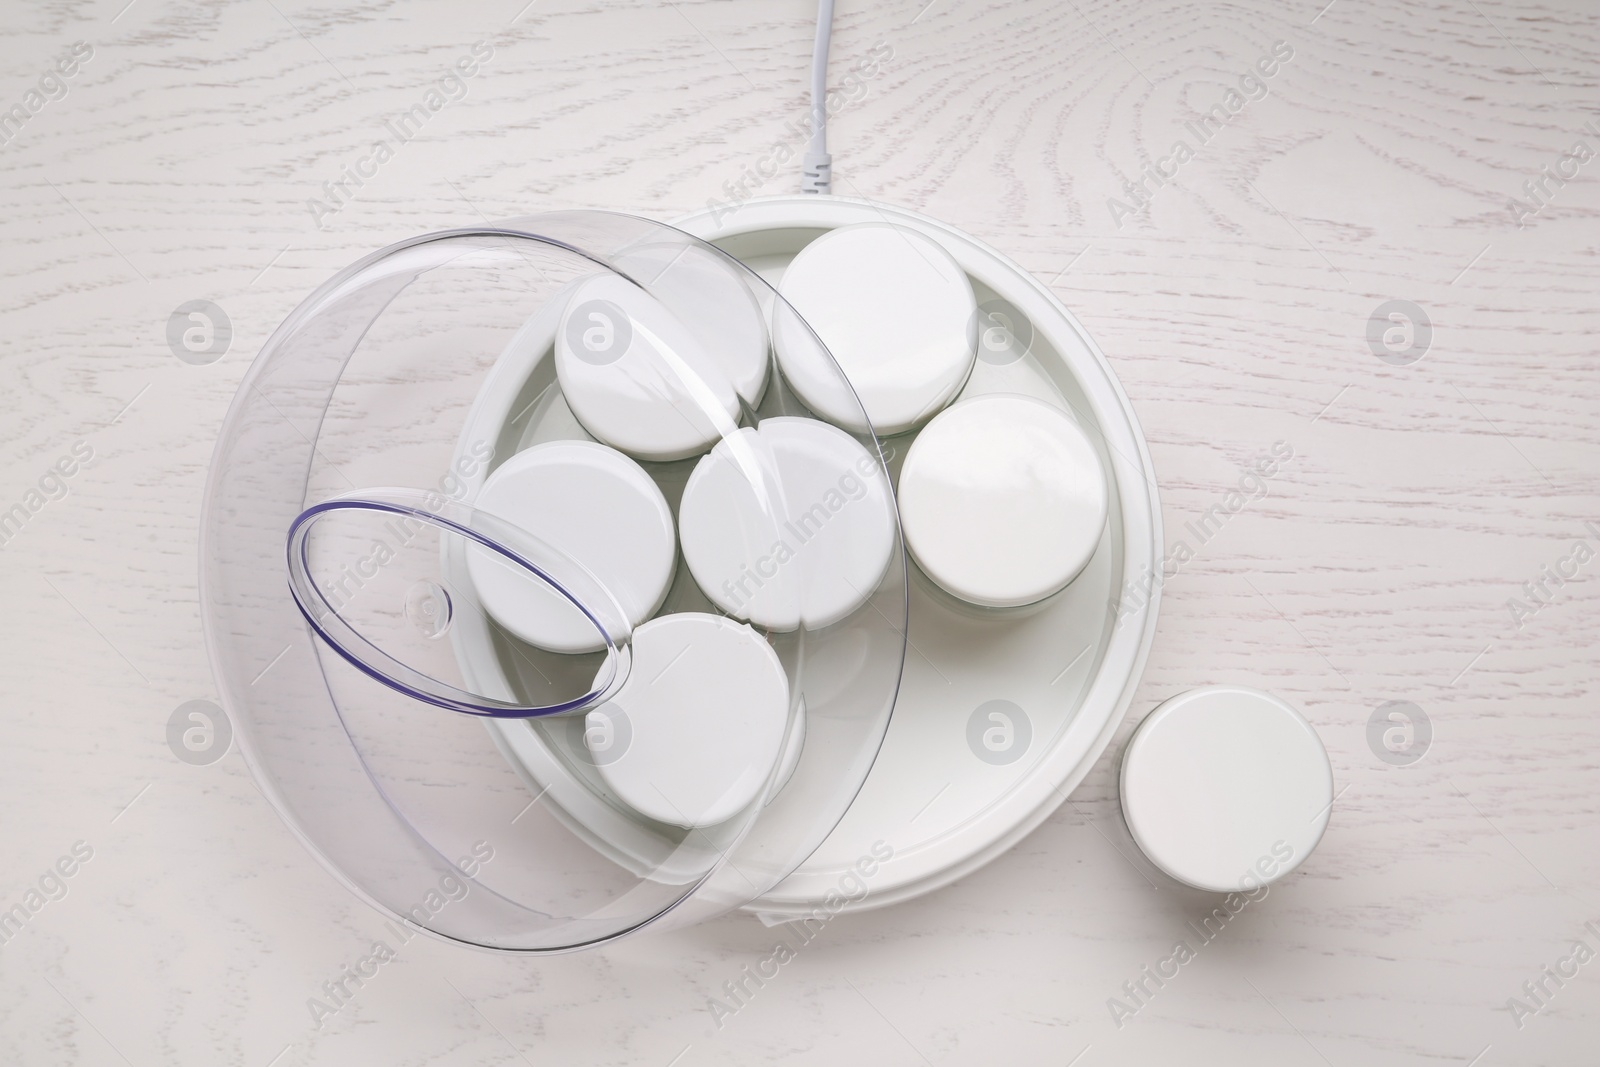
{"points": [[1383, 162]]}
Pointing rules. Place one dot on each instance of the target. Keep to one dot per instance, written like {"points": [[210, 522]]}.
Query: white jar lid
{"points": [[637, 377], [717, 307], [897, 314], [1002, 499], [596, 506], [787, 524], [695, 731], [1226, 788]]}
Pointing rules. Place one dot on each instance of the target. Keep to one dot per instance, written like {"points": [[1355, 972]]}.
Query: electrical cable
{"points": [[818, 163]]}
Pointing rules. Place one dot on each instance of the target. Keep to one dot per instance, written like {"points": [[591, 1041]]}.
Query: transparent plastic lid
{"points": [[541, 605]]}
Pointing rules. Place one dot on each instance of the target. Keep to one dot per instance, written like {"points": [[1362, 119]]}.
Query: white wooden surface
{"points": [[1380, 166]]}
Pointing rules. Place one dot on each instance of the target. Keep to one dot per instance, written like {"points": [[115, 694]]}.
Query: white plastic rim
{"points": [[1002, 500], [896, 313], [908, 874], [693, 734], [832, 546], [591, 502], [1226, 788]]}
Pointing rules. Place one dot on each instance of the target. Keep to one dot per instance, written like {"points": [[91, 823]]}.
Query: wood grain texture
{"points": [[1381, 164]]}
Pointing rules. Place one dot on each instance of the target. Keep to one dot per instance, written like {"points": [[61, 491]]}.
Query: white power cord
{"points": [[818, 163]]}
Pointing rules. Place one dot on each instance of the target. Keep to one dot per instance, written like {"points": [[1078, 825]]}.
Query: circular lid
{"points": [[637, 377], [1003, 499], [692, 735], [810, 538], [897, 312], [587, 500], [440, 594], [1226, 788]]}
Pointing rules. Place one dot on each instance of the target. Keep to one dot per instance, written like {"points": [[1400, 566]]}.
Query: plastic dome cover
{"points": [[540, 604]]}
